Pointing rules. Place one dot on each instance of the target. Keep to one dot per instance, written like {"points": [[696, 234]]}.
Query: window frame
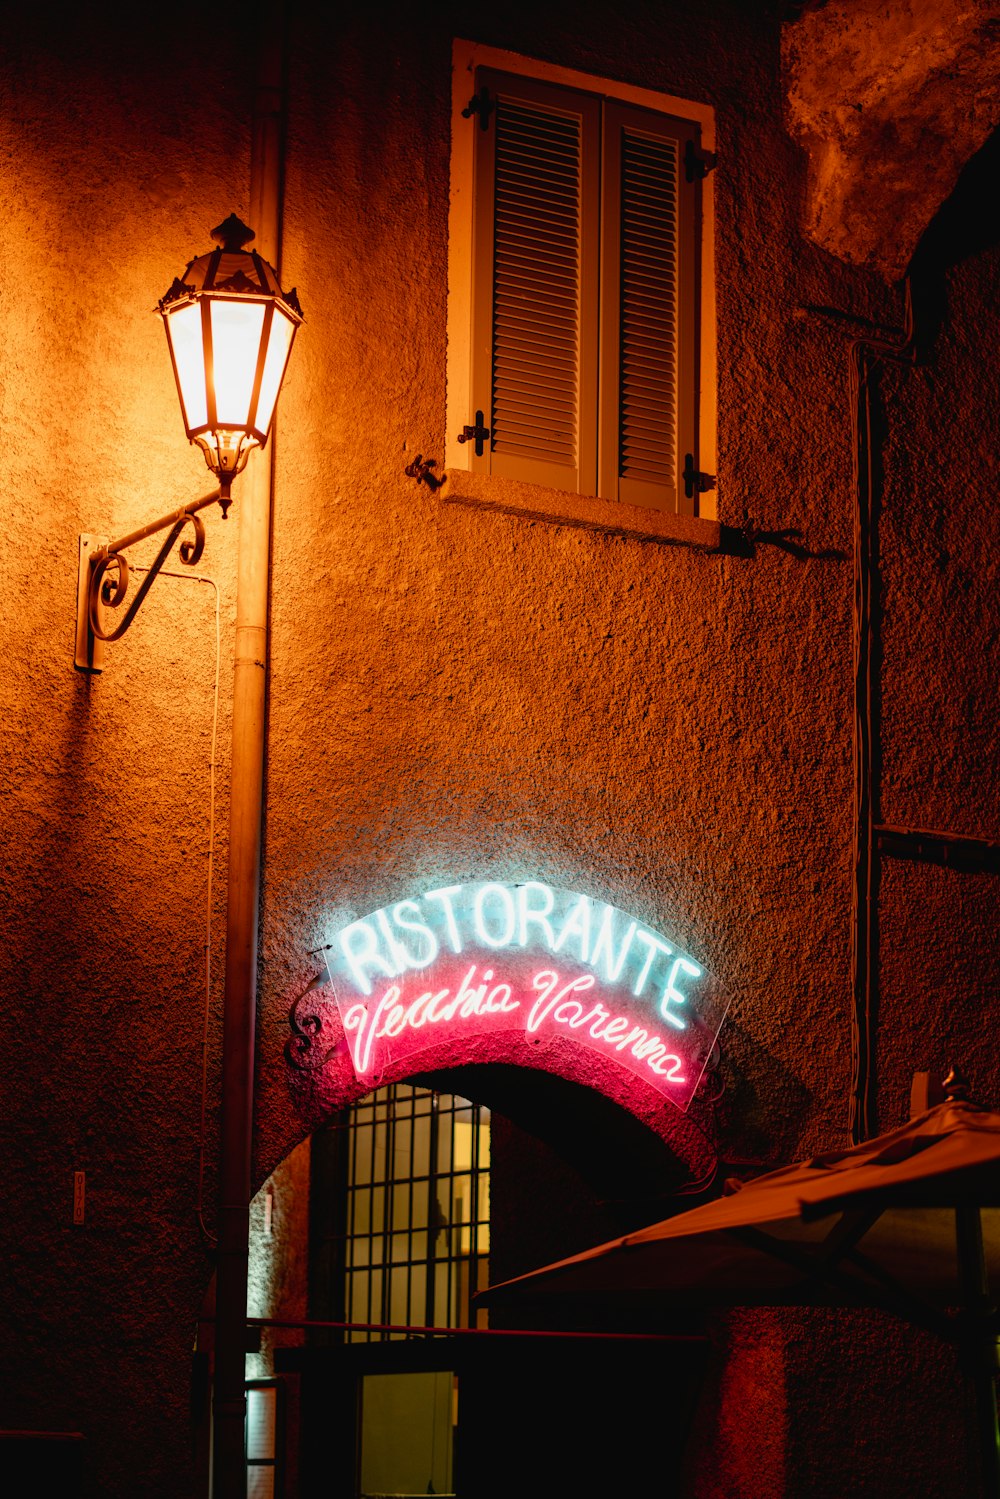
{"points": [[468, 59]]}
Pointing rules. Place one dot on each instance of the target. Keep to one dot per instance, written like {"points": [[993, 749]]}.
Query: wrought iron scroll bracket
{"points": [[104, 575], [309, 1047]]}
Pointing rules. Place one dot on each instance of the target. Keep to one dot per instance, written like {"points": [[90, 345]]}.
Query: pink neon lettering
{"points": [[546, 981], [393, 1022], [416, 1015], [635, 1034], [502, 1006], [366, 1031], [670, 1073], [390, 1017], [595, 1029], [564, 1013]]}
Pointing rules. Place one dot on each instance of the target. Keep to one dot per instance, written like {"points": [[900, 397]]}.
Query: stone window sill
{"points": [[558, 508]]}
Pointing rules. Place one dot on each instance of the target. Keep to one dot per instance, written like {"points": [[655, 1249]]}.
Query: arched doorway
{"points": [[415, 1194]]}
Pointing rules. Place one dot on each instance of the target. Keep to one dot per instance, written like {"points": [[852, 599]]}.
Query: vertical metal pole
{"points": [[864, 903], [245, 830]]}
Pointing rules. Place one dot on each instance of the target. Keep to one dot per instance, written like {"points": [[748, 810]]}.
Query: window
{"points": [[579, 220], [262, 1438], [417, 1211]]}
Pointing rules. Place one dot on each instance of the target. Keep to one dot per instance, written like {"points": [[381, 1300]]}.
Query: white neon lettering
{"points": [[506, 901], [400, 956], [609, 952], [444, 895], [604, 946], [529, 916], [368, 954], [655, 945], [472, 1002], [672, 995], [430, 942], [577, 924]]}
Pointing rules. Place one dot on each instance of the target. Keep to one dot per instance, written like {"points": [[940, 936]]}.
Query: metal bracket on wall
{"points": [[103, 574], [695, 482], [477, 434], [89, 649], [698, 163], [482, 105]]}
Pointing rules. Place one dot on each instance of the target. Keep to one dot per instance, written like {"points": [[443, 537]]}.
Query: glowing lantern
{"points": [[230, 329]]}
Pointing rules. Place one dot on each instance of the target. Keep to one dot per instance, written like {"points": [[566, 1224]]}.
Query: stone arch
{"points": [[579, 1103]]}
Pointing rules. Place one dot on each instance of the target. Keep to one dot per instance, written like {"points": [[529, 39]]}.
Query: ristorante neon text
{"points": [[540, 964], [532, 916]]}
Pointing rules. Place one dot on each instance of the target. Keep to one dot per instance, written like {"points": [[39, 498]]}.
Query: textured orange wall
{"points": [[453, 693]]}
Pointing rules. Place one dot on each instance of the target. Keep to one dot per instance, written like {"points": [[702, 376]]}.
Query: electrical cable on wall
{"points": [[206, 1232], [867, 810]]}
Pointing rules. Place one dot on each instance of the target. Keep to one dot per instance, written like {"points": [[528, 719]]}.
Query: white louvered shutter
{"points": [[649, 312], [536, 250]]}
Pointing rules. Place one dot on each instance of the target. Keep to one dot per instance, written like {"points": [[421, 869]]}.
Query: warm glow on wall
{"points": [[230, 329]]}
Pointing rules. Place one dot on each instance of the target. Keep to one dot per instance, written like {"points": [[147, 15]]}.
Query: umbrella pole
{"points": [[980, 1339]]}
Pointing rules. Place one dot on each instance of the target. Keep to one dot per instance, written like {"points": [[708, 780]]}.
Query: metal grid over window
{"points": [[416, 1241]]}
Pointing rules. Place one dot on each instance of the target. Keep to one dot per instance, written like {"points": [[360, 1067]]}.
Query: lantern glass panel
{"points": [[279, 345], [236, 330], [184, 329]]}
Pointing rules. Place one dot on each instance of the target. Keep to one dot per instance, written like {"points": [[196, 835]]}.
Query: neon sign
{"points": [[464, 961]]}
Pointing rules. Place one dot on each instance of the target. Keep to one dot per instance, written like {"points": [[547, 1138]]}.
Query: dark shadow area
{"points": [[622, 1161], [966, 224], [743, 542]]}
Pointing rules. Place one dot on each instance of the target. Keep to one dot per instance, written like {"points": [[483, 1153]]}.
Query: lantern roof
{"points": [[232, 270]]}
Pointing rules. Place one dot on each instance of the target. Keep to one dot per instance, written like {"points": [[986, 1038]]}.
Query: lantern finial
{"points": [[232, 234]]}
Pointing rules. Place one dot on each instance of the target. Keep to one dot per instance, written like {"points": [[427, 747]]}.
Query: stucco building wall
{"points": [[454, 694]]}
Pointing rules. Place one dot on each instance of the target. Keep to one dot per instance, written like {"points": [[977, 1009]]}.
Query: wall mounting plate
{"points": [[89, 650]]}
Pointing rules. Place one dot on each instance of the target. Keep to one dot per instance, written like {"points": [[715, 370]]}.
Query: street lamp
{"points": [[230, 329]]}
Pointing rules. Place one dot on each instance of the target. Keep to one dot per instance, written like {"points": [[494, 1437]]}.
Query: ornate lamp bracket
{"points": [[103, 576]]}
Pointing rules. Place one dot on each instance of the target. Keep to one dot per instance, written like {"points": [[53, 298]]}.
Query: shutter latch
{"points": [[482, 105], [695, 482], [477, 434], [698, 163]]}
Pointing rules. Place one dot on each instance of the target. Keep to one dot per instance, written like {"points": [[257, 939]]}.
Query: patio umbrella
{"points": [[908, 1222]]}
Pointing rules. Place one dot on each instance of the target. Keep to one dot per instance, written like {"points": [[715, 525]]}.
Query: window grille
{"points": [[416, 1221]]}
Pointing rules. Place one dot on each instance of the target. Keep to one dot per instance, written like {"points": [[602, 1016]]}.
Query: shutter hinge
{"points": [[695, 482], [482, 105], [698, 163], [477, 434]]}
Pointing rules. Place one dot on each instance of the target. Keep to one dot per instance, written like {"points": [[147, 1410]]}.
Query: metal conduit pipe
{"points": [[245, 833]]}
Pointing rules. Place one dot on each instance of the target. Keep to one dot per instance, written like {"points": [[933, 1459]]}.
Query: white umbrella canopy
{"points": [[908, 1222]]}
